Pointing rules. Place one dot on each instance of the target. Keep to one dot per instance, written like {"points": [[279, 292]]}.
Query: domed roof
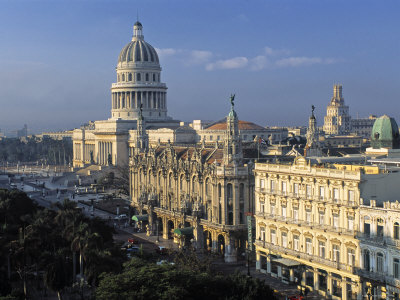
{"points": [[138, 51], [385, 133]]}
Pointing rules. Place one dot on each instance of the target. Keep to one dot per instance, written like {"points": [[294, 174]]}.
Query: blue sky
{"points": [[58, 58]]}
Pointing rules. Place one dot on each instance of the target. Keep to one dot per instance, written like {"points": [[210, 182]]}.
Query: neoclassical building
{"points": [[199, 192], [308, 222], [138, 88]]}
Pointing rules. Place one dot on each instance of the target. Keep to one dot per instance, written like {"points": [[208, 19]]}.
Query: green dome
{"points": [[385, 133]]}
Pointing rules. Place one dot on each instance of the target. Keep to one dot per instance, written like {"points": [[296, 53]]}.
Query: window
{"points": [[351, 257], [296, 242], [272, 209], [284, 239], [262, 233], [138, 77], [262, 206], [366, 260], [350, 223], [321, 218], [296, 189], [351, 197], [284, 190], [335, 221], [379, 228], [336, 253], [284, 211], [308, 216], [308, 191], [396, 231], [308, 246], [336, 195], [396, 265], [130, 76], [321, 246], [262, 184], [379, 262], [123, 77], [273, 236], [154, 77], [147, 76], [272, 186], [295, 214], [321, 192], [367, 229]]}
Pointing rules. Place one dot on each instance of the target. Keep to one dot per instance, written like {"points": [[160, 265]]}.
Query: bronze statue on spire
{"points": [[232, 100]]}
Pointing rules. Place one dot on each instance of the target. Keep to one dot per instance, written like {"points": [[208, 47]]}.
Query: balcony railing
{"points": [[305, 256]]}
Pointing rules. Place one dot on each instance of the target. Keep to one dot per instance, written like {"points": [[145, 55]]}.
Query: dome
{"points": [[138, 51], [385, 133]]}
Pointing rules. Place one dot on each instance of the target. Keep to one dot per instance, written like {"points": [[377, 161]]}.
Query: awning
{"points": [[138, 218], [184, 231], [287, 262]]}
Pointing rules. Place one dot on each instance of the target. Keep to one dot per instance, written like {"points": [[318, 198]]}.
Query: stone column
{"points": [[230, 251], [165, 228], [291, 275], [279, 271], [329, 284], [316, 285], [344, 289], [269, 264], [258, 261]]}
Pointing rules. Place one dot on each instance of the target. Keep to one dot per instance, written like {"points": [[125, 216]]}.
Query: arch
{"points": [[396, 230], [130, 77], [170, 228], [207, 239], [221, 244]]}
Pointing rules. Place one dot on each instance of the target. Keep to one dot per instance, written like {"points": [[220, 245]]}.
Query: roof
{"points": [[243, 125], [138, 51], [385, 133]]}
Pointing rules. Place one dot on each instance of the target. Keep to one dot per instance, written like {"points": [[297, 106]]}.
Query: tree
{"points": [[55, 278]]}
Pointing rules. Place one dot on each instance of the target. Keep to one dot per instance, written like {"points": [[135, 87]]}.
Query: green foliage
{"points": [[47, 150], [144, 280]]}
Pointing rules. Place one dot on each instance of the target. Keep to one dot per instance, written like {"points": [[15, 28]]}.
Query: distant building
{"points": [[363, 126], [337, 120], [301, 130], [23, 132], [60, 135]]}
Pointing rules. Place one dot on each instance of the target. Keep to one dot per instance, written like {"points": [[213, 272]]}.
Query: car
{"points": [[162, 250], [133, 249], [164, 262], [298, 297], [132, 241]]}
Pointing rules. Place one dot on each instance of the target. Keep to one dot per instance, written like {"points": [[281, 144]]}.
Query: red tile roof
{"points": [[243, 125]]}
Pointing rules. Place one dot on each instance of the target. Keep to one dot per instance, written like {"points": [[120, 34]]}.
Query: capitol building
{"points": [[140, 93]]}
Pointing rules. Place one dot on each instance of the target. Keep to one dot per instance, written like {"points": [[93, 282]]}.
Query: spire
{"points": [[233, 144]]}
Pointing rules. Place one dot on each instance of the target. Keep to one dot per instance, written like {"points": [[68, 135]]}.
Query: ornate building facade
{"points": [[199, 191], [337, 120], [308, 222]]}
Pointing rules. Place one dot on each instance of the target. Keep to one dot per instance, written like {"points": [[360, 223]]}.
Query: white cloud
{"points": [[199, 57], [297, 61], [259, 62], [166, 52], [232, 63], [275, 52]]}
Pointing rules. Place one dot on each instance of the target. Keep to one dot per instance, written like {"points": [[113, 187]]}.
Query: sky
{"points": [[58, 58]]}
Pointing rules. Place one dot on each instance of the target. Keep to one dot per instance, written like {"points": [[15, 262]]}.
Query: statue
{"points": [[312, 109], [232, 100], [141, 109]]}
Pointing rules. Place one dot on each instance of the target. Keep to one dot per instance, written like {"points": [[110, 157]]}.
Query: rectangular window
{"points": [[308, 216], [367, 229], [284, 190], [272, 186], [351, 257], [262, 184], [296, 242], [336, 253], [273, 237], [308, 191], [272, 209], [335, 221], [262, 206], [321, 249], [296, 189], [321, 192], [350, 223], [284, 211], [284, 239], [396, 269], [295, 214], [351, 197], [262, 233], [308, 246], [336, 195], [321, 218]]}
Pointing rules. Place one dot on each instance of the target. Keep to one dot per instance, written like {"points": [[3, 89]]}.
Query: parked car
{"points": [[132, 241], [298, 297], [164, 262], [162, 250]]}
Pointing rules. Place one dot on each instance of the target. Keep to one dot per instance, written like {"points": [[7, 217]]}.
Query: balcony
{"points": [[305, 256]]}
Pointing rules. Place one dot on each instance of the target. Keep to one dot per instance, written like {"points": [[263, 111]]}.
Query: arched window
{"points": [[379, 227], [396, 231], [138, 77], [219, 190], [130, 76]]}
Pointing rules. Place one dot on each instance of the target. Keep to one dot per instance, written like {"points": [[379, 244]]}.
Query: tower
{"points": [[337, 120], [142, 140], [233, 145], [313, 145]]}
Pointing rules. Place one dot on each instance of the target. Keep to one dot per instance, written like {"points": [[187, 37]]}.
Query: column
{"points": [[329, 284], [258, 261], [344, 289], [165, 228], [291, 275], [268, 264], [316, 286]]}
